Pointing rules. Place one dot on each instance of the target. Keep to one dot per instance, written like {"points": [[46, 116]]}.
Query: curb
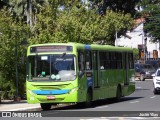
{"points": [[25, 109]]}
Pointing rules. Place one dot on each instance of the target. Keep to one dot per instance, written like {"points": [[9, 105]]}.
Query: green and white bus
{"points": [[78, 73]]}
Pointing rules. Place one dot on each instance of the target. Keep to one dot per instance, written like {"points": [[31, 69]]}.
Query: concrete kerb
{"points": [[10, 105], [34, 108]]}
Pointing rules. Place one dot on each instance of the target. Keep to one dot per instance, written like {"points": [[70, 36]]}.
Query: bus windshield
{"points": [[58, 67]]}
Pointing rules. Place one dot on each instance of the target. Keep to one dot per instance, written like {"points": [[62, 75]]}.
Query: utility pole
{"points": [[116, 42], [16, 52]]}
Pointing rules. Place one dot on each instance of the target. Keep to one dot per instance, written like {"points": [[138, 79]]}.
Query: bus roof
{"points": [[88, 46]]}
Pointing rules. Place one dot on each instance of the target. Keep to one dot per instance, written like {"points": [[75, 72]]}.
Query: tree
{"points": [[78, 24], [151, 13], [12, 32], [25, 10], [125, 6], [152, 27], [149, 7], [136, 54], [60, 21]]}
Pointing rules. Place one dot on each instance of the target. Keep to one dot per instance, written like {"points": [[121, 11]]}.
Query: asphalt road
{"points": [[141, 104]]}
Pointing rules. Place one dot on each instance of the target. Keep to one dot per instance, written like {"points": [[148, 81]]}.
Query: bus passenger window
{"points": [[102, 60], [88, 65], [131, 61], [88, 61]]}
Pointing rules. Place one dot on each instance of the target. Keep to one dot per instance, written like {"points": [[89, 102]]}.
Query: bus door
{"points": [[89, 70], [95, 69], [126, 63]]}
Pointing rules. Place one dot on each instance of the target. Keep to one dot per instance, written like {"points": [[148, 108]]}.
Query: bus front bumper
{"points": [[68, 97]]}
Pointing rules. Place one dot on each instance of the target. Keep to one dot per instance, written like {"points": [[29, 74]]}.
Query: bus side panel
{"points": [[82, 89], [129, 89]]}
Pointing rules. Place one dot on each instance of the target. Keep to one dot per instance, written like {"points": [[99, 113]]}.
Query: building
{"points": [[136, 39]]}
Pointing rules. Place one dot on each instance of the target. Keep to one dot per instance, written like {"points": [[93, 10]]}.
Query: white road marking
{"points": [[100, 107], [138, 87], [153, 97], [23, 109], [134, 102], [123, 118]]}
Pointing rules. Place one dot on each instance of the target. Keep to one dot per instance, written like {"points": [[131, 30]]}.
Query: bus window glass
{"points": [[113, 61], [88, 61], [43, 63], [81, 61], [102, 58], [107, 61], [119, 60], [52, 67], [95, 60], [131, 61]]}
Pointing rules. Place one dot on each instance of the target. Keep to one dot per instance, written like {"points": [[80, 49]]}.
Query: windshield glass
{"points": [[51, 67]]}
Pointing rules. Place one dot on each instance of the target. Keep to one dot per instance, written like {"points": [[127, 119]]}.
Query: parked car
{"points": [[156, 82], [154, 63], [144, 71]]}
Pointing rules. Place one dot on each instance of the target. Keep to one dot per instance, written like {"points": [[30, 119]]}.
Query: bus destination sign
{"points": [[51, 48]]}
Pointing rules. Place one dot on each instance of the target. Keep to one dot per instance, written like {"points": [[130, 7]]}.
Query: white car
{"points": [[156, 81]]}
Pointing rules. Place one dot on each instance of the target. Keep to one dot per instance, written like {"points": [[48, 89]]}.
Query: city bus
{"points": [[59, 73]]}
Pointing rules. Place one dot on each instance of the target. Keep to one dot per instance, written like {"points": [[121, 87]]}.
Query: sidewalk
{"points": [[10, 105]]}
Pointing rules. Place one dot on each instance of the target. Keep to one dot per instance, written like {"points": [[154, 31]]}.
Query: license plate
{"points": [[50, 97]]}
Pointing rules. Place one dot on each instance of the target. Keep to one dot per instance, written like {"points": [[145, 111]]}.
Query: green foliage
{"points": [[152, 27], [136, 54], [12, 32], [126, 6], [150, 7], [7, 88], [78, 25], [75, 23], [151, 13]]}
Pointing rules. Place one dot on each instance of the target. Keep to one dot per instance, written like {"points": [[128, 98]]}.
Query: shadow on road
{"points": [[94, 104]]}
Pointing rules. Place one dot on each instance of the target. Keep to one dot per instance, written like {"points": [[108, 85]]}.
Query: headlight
{"points": [[31, 93], [73, 90]]}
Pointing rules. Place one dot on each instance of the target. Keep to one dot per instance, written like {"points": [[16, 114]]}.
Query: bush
{"points": [[7, 88]]}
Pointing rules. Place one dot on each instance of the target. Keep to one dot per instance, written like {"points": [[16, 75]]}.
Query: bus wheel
{"points": [[118, 93], [88, 102], [45, 106]]}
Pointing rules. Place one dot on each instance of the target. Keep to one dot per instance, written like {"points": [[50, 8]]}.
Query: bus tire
{"points": [[118, 93], [45, 106], [88, 102]]}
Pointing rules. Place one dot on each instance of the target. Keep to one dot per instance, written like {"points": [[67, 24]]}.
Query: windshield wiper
{"points": [[63, 55]]}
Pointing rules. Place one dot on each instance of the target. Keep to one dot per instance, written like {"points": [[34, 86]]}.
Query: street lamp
{"points": [[23, 42]]}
